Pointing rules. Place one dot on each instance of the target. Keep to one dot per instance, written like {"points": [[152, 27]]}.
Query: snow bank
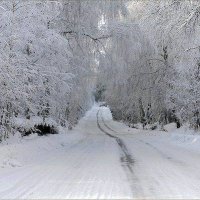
{"points": [[21, 122], [170, 127], [18, 151], [186, 138], [107, 113]]}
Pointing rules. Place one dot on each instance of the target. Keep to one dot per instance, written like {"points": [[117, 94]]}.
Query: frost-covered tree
{"points": [[174, 24], [142, 55], [161, 77], [43, 73]]}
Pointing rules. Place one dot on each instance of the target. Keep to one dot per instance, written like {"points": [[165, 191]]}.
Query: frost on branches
{"points": [[143, 57], [152, 64], [44, 75]]}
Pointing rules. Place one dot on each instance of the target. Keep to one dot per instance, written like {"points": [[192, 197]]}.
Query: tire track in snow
{"points": [[126, 159], [164, 155], [107, 125]]}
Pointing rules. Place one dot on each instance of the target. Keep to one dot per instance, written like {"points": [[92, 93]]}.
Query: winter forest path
{"points": [[110, 162]]}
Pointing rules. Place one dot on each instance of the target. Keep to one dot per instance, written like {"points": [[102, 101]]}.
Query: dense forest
{"points": [[151, 66], [141, 57]]}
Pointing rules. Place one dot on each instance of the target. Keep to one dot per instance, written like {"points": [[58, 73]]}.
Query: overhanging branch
{"points": [[87, 35]]}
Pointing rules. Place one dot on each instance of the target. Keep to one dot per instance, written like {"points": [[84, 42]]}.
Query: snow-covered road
{"points": [[101, 158]]}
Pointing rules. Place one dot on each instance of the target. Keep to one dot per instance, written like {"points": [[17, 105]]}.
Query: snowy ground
{"points": [[101, 158]]}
